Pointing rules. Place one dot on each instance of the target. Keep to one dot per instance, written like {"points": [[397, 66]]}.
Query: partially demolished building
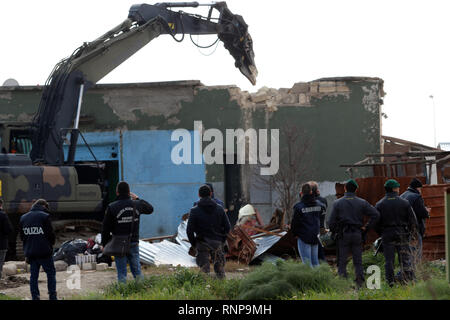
{"points": [[130, 128]]}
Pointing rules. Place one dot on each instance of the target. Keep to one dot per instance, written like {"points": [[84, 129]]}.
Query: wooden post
{"points": [[447, 233]]}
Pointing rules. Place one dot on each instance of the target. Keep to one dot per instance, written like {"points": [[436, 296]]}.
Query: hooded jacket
{"points": [[416, 201], [306, 220], [37, 234], [118, 218], [207, 220], [5, 230]]}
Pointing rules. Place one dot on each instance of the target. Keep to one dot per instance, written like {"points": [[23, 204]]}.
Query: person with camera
{"points": [[120, 230]]}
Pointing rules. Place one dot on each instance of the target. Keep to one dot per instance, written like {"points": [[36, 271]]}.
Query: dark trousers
{"points": [[2, 260], [401, 246], [321, 253], [211, 249], [49, 268], [351, 242]]}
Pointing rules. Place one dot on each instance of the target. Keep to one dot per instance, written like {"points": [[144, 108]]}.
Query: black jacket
{"points": [[396, 215], [207, 221], [37, 234], [348, 213], [322, 216], [306, 219], [416, 201], [118, 218], [5, 230]]}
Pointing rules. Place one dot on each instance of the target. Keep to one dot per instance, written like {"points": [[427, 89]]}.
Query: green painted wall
{"points": [[343, 124]]}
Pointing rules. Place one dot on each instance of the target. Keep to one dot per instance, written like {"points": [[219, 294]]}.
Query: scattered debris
{"points": [[12, 282], [245, 248]]}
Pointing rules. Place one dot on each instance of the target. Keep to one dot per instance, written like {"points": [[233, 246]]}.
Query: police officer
{"points": [[414, 195], [38, 239], [305, 225], [207, 230], [396, 225], [346, 222], [318, 197], [217, 200], [5, 231], [118, 221]]}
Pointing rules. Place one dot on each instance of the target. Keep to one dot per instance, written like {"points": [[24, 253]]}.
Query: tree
{"points": [[296, 167]]}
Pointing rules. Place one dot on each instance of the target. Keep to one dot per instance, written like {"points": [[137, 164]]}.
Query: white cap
{"points": [[246, 210]]}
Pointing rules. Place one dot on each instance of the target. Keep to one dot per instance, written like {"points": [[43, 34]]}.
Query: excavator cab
{"points": [[15, 138]]}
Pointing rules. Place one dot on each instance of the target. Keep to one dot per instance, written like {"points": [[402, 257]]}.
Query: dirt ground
{"points": [[90, 281]]}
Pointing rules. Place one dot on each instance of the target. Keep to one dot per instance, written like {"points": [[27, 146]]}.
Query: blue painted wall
{"points": [[148, 168]]}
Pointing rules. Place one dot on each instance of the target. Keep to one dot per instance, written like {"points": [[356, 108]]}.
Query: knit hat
{"points": [[415, 183], [391, 183]]}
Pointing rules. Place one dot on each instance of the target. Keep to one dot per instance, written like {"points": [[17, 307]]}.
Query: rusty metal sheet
{"points": [[433, 196], [240, 246]]}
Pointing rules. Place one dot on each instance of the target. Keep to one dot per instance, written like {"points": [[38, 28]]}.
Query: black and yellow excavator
{"points": [[45, 173]]}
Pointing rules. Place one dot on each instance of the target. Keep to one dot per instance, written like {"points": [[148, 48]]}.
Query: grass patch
{"points": [[182, 284], [286, 279], [6, 297]]}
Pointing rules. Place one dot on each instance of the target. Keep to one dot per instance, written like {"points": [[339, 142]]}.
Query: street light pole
{"points": [[434, 119]]}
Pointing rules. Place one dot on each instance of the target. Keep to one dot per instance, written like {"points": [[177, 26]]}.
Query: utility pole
{"points": [[434, 120]]}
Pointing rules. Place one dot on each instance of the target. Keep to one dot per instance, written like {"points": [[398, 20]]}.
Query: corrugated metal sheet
{"points": [[169, 253], [434, 241], [182, 238], [433, 196], [165, 253], [264, 243]]}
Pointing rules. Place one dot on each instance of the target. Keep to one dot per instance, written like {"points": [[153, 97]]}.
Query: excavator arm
{"points": [[61, 100]]}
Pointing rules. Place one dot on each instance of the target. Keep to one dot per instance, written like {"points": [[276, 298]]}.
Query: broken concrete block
{"points": [[88, 266], [303, 98], [342, 89], [21, 265], [299, 87], [102, 267], [260, 97], [327, 86], [314, 87], [61, 265], [289, 98], [9, 270]]}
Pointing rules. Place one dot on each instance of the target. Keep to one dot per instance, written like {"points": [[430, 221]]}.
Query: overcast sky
{"points": [[406, 43]]}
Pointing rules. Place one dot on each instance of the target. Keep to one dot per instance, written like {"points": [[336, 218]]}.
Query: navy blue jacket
{"points": [[349, 212], [5, 230], [396, 215], [218, 201], [306, 219], [37, 233], [207, 220], [416, 201]]}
